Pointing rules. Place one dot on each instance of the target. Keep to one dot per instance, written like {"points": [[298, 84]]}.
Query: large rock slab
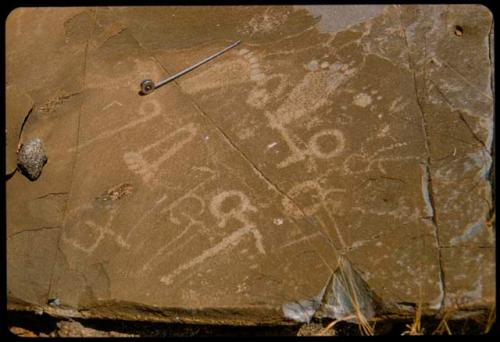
{"points": [[314, 170]]}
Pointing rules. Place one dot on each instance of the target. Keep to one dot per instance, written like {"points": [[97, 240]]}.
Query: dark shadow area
{"points": [[179, 329], [31, 321], [47, 324], [9, 176]]}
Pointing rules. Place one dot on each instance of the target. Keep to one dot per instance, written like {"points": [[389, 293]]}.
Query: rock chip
{"points": [[32, 158]]}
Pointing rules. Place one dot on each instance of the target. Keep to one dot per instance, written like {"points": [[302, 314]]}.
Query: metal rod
{"points": [[185, 71]]}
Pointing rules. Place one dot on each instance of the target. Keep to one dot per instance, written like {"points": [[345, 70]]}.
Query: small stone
{"points": [[459, 31], [54, 302], [22, 332], [31, 159]]}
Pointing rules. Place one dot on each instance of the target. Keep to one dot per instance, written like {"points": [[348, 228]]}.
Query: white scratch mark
{"points": [[300, 240], [113, 103], [271, 145]]}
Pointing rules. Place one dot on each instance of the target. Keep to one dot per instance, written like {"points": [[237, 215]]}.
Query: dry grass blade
{"points": [[415, 328], [492, 317], [347, 279], [442, 327], [332, 324]]}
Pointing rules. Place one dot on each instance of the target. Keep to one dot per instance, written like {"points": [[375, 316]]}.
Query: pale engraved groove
{"points": [[230, 241], [132, 124]]}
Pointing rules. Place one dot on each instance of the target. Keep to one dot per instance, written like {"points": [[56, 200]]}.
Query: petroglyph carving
{"points": [[160, 207], [239, 212], [256, 73], [314, 147], [111, 104], [186, 207], [184, 212], [312, 189], [88, 225], [302, 239], [319, 151], [312, 192], [265, 22], [307, 97], [259, 96], [218, 208], [145, 116], [312, 93], [175, 142], [216, 76], [359, 163]]}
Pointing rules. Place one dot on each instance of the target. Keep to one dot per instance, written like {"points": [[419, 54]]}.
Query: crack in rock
{"points": [[33, 230], [428, 191]]}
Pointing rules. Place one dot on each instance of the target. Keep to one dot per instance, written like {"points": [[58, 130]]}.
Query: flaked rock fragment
{"points": [[349, 295], [346, 297], [302, 311], [31, 159]]}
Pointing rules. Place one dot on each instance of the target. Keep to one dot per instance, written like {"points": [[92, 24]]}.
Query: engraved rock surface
{"points": [[241, 192]]}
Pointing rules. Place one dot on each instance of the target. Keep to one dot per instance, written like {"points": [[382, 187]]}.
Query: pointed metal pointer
{"points": [[147, 86]]}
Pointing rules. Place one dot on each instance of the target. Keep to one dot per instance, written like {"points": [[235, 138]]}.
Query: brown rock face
{"points": [[314, 170], [19, 106]]}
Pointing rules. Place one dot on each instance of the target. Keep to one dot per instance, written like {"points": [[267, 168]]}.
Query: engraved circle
{"points": [[319, 152]]}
